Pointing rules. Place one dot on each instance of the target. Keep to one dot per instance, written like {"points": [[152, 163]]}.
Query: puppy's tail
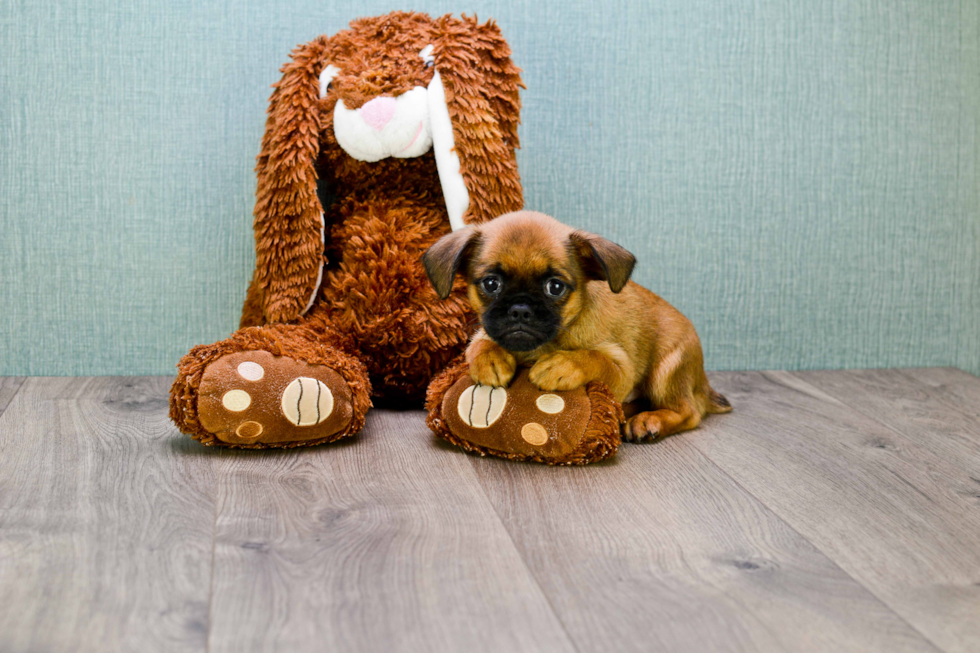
{"points": [[718, 403]]}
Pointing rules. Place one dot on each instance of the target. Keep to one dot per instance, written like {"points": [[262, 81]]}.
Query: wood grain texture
{"points": [[955, 385], [830, 511], [382, 543], [659, 550], [105, 520], [9, 385], [933, 408], [885, 509]]}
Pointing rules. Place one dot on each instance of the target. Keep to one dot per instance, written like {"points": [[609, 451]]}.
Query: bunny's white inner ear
{"points": [[444, 144], [319, 273]]}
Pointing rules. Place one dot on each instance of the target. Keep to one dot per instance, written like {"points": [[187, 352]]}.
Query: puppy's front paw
{"points": [[494, 367], [560, 371]]}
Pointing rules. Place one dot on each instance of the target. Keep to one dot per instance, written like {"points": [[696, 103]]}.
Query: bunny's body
{"points": [[379, 140]]}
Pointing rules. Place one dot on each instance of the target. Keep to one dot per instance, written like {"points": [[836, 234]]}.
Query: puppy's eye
{"points": [[491, 285], [430, 63], [555, 287]]}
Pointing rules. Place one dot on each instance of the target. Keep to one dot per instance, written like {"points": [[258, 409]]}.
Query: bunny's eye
{"points": [[326, 79], [427, 57]]}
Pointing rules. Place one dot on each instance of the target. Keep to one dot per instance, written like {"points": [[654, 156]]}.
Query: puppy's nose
{"points": [[378, 112], [520, 312]]}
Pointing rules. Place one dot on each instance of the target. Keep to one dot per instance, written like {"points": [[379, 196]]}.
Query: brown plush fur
{"points": [[600, 440], [374, 298], [377, 56]]}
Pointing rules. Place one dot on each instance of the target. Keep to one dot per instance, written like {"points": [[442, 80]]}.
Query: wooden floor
{"points": [[832, 511]]}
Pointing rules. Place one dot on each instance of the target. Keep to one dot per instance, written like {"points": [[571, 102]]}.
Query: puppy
{"points": [[561, 301]]}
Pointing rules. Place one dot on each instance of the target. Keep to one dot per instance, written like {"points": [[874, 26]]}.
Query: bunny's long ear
{"points": [[288, 217], [479, 84]]}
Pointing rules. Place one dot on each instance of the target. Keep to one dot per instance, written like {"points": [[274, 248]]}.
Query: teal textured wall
{"points": [[800, 178]]}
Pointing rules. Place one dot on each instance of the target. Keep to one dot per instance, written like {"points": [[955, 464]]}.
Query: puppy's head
{"points": [[526, 274]]}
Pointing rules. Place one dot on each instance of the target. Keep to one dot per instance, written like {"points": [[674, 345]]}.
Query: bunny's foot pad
{"points": [[253, 398], [521, 422]]}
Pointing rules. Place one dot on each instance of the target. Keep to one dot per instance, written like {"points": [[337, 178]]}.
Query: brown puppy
{"points": [[561, 301]]}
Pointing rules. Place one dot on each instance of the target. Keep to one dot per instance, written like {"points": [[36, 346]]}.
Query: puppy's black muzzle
{"points": [[521, 322]]}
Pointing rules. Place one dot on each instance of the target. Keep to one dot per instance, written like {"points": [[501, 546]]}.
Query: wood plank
{"points": [[382, 543], [957, 385], [888, 511], [9, 385], [931, 416], [658, 550], [106, 520]]}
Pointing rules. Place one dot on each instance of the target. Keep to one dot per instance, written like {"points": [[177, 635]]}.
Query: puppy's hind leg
{"points": [[660, 423]]}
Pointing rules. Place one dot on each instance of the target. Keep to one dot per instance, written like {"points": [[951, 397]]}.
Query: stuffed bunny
{"points": [[379, 140]]}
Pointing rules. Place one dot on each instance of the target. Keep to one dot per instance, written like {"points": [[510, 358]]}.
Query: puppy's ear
{"points": [[443, 260], [602, 259]]}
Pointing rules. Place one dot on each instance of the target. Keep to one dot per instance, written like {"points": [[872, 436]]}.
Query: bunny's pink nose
{"points": [[378, 112]]}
